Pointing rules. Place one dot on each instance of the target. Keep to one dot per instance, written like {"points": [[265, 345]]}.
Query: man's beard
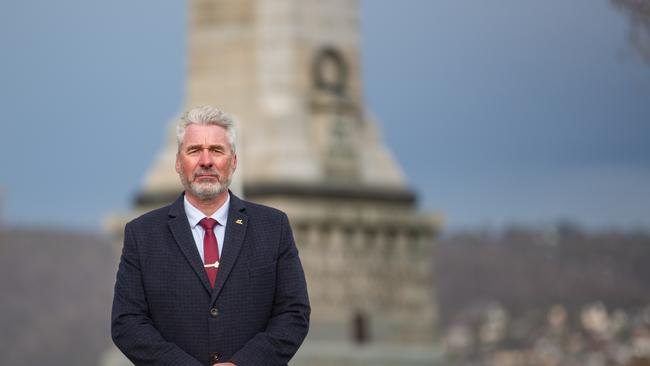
{"points": [[206, 190]]}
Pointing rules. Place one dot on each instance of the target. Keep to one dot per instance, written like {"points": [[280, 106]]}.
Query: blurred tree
{"points": [[638, 11], [526, 269]]}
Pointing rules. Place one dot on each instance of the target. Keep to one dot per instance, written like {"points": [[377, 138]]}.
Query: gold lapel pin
{"points": [[239, 221]]}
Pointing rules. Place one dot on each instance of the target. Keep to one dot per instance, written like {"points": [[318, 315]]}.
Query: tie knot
{"points": [[208, 223]]}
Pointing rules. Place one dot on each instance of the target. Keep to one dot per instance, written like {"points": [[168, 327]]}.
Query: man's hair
{"points": [[207, 115]]}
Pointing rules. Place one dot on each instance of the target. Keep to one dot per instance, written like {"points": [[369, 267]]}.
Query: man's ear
{"points": [[234, 162], [178, 163]]}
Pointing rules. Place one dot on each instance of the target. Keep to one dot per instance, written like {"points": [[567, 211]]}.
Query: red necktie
{"points": [[210, 249]]}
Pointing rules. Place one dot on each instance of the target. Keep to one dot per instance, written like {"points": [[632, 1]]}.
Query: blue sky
{"points": [[499, 112]]}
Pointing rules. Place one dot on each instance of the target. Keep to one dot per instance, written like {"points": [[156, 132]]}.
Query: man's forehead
{"points": [[205, 135]]}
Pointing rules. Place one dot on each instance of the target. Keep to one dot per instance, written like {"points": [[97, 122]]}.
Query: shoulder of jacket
{"points": [[257, 208], [154, 216]]}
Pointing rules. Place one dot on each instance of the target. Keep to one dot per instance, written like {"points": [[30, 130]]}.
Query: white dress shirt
{"points": [[194, 215]]}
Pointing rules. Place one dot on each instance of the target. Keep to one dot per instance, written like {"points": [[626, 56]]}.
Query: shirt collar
{"points": [[194, 215]]}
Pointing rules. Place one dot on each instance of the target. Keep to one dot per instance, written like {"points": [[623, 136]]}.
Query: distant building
{"points": [[56, 288], [289, 72]]}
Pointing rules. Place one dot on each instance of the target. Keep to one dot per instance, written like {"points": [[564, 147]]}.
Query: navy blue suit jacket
{"points": [[166, 313]]}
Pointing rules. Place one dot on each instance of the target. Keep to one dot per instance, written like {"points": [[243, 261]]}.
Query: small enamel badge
{"points": [[239, 221]]}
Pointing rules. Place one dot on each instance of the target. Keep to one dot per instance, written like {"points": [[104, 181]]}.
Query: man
{"points": [[210, 279]]}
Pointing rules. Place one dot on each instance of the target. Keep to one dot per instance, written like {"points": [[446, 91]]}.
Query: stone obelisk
{"points": [[289, 72]]}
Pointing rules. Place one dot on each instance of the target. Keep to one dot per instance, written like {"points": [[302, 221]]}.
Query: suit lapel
{"points": [[182, 233], [233, 242]]}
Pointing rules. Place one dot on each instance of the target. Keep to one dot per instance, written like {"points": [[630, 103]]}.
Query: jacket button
{"points": [[214, 312], [215, 356]]}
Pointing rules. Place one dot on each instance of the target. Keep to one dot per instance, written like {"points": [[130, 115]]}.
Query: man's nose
{"points": [[204, 159]]}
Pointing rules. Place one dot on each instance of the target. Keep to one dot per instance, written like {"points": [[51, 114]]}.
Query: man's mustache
{"points": [[212, 172]]}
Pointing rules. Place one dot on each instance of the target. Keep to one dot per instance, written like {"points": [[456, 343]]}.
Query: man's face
{"points": [[205, 162]]}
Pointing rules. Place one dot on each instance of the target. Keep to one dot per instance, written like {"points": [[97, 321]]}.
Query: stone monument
{"points": [[289, 72]]}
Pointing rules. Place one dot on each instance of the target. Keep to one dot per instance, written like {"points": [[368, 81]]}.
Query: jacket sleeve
{"points": [[132, 330], [289, 320]]}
